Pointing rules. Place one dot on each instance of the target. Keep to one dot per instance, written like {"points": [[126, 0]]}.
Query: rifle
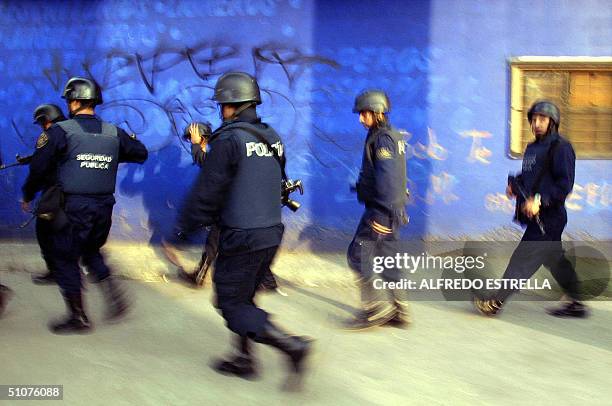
{"points": [[21, 160]]}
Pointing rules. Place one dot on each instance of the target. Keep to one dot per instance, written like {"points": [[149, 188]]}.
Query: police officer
{"points": [[381, 187], [87, 151], [45, 115], [239, 189], [546, 180], [197, 134]]}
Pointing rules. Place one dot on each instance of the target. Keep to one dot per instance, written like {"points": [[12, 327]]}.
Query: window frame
{"points": [[520, 64]]}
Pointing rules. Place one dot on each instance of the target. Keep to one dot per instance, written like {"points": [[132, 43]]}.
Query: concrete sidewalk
{"points": [[450, 355]]}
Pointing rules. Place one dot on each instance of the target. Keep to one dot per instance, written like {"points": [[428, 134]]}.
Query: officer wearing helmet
{"points": [[45, 115], [198, 134], [546, 179], [381, 187], [239, 189], [86, 152]]}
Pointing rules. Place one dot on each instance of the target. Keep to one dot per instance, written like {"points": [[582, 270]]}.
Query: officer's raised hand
{"points": [[196, 137]]}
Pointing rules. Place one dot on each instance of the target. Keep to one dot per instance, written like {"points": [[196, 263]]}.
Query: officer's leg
{"points": [[117, 303], [241, 363], [235, 282], [564, 273], [296, 348], [526, 259], [234, 279], [388, 248], [44, 233], [267, 282], [376, 308], [67, 246]]}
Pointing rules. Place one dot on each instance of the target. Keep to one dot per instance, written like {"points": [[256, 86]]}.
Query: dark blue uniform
{"points": [[537, 248], [85, 153], [382, 188], [44, 228], [239, 189], [197, 154]]}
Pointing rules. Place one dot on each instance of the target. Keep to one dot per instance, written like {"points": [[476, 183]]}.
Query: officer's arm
{"points": [[48, 147], [130, 148], [385, 173], [198, 154], [563, 173], [207, 195]]}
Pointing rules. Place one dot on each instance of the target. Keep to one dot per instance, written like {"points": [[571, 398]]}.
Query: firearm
{"points": [[518, 188], [21, 160], [289, 186]]}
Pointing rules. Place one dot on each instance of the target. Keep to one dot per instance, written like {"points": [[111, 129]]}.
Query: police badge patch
{"points": [[384, 153], [43, 139]]}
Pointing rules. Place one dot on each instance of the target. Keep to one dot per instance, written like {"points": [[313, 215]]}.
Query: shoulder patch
{"points": [[42, 140], [384, 153]]}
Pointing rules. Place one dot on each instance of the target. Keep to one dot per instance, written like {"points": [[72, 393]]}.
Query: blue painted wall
{"points": [[444, 64]]}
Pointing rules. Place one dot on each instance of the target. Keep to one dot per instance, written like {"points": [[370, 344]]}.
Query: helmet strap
{"points": [[239, 110]]}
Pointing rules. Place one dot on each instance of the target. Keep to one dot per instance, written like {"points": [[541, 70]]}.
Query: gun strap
{"points": [[547, 167], [253, 131]]}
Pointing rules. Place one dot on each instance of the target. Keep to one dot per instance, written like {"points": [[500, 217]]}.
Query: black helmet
{"points": [[372, 100], [78, 88], [545, 108], [48, 112], [237, 87], [205, 130]]}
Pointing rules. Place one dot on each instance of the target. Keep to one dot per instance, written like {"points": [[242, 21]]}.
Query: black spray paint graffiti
{"points": [[205, 60]]}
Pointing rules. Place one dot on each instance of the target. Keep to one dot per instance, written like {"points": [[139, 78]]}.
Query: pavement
{"points": [[449, 355]]}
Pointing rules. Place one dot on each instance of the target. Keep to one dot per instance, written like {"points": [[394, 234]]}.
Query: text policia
{"points": [[411, 263]]}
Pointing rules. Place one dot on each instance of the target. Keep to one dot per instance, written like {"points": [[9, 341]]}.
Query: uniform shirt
{"points": [[382, 180], [558, 181], [51, 151]]}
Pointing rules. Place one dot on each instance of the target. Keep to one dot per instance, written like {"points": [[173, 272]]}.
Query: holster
{"points": [[51, 207]]}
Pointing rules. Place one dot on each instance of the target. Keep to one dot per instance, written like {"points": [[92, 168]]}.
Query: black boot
{"points": [[184, 276], [76, 322], [488, 307], [242, 364], [402, 316], [44, 279], [117, 304], [268, 282], [5, 295], [295, 347], [377, 309], [570, 309]]}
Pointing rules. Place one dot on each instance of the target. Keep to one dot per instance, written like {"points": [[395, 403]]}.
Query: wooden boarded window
{"points": [[580, 87]]}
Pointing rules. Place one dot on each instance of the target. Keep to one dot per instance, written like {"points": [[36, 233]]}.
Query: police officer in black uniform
{"points": [[87, 152], [45, 115], [547, 178], [197, 134], [382, 189], [239, 188]]}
